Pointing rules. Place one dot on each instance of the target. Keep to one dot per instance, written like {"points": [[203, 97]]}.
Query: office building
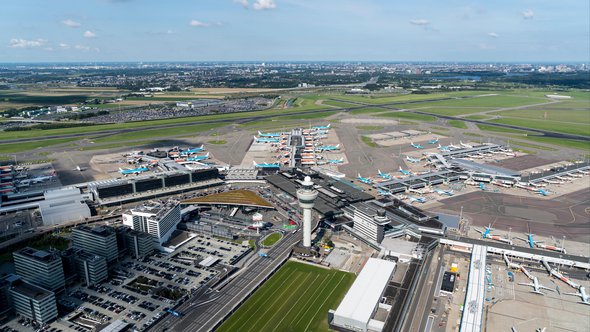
{"points": [[40, 268], [357, 310], [157, 220], [33, 302], [101, 241], [138, 244], [92, 269], [369, 222]]}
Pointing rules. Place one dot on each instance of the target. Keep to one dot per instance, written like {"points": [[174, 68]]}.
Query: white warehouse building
{"points": [[160, 221], [357, 309]]}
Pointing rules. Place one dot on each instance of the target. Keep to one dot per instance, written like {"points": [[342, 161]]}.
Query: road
{"points": [[246, 119], [207, 309]]}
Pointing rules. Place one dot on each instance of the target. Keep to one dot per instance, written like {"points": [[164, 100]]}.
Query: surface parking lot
{"points": [[139, 291]]}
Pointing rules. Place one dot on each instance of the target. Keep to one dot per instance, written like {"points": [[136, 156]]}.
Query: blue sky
{"points": [[275, 30]]}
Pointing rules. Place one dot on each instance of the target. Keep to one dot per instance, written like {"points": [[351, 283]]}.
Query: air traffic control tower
{"points": [[306, 196]]}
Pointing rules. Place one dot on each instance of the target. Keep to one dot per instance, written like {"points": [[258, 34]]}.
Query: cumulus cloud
{"points": [[420, 22], [493, 34], [264, 4], [243, 3], [64, 46], [528, 14], [71, 23], [89, 34], [24, 43], [199, 24]]}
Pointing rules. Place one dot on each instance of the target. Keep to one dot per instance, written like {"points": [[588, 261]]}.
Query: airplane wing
{"points": [[547, 288], [525, 284], [573, 294], [520, 238]]}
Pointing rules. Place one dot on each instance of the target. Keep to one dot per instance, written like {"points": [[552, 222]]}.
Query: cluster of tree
{"points": [[85, 115]]}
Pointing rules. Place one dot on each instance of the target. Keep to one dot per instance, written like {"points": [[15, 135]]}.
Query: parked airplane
{"points": [[444, 148], [444, 192], [269, 134], [328, 147], [41, 179], [516, 266], [386, 176], [266, 140], [413, 160], [192, 151], [582, 294], [542, 192], [364, 180], [467, 146], [532, 243], [417, 199], [198, 158], [322, 127], [486, 233], [433, 141], [336, 161], [453, 146], [416, 146], [266, 165], [558, 274], [135, 171], [536, 286], [482, 186], [384, 192], [404, 172]]}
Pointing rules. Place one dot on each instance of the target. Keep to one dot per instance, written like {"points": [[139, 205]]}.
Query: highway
{"points": [[208, 308], [293, 112]]}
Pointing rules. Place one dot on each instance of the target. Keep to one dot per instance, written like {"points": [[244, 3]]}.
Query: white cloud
{"points": [[420, 22], [71, 24], [63, 45], [243, 3], [196, 23], [89, 34], [264, 4], [493, 34], [85, 48], [528, 14], [24, 43]]}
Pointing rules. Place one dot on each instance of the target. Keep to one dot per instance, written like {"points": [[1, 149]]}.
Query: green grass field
{"points": [[452, 111], [561, 115], [581, 128], [271, 239], [296, 298], [367, 140], [26, 146], [457, 124]]}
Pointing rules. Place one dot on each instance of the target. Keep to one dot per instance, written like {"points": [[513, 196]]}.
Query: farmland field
{"points": [[296, 298]]}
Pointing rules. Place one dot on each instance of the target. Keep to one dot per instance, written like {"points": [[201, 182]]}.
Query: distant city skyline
{"points": [[294, 30]]}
